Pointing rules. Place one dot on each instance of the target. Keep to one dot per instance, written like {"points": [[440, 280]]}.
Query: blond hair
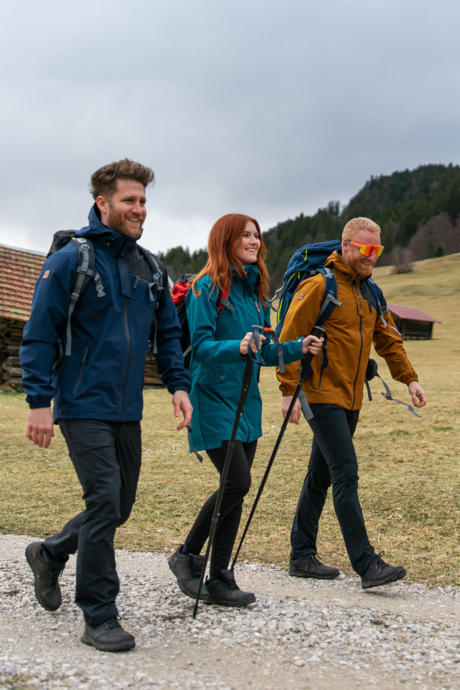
{"points": [[355, 225]]}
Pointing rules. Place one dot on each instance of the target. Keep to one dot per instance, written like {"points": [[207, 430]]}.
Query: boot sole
{"points": [[120, 647], [392, 578], [216, 602], [203, 595], [294, 573], [47, 607]]}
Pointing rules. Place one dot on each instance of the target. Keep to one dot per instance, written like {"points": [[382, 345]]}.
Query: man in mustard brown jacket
{"points": [[335, 395]]}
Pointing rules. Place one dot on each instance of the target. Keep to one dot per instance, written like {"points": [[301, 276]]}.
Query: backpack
{"points": [[305, 263], [179, 291], [85, 273]]}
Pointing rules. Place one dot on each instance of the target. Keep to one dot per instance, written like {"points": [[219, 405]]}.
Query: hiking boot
{"points": [[225, 591], [187, 568], [108, 637], [310, 566], [47, 588], [380, 573]]}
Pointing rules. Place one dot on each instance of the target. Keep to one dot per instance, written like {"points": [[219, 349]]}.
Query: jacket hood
{"points": [[96, 229]]}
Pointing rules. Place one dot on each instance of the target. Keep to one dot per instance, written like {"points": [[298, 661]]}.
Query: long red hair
{"points": [[224, 238]]}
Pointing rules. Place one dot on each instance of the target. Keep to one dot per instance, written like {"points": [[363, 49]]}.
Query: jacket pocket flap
{"points": [[218, 375]]}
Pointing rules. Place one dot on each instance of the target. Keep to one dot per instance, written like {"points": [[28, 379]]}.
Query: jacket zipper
{"points": [[359, 360], [82, 368], [128, 352]]}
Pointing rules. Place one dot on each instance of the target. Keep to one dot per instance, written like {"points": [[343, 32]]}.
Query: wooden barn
{"points": [[19, 270], [412, 323]]}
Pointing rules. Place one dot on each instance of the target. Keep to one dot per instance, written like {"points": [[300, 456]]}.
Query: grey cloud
{"points": [[264, 107]]}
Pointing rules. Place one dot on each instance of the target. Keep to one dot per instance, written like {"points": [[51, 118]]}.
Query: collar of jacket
{"points": [[251, 277], [111, 241], [336, 261]]}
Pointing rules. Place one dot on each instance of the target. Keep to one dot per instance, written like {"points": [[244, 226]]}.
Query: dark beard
{"points": [[115, 221]]}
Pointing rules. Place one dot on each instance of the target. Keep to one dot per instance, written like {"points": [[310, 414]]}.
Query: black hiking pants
{"points": [[236, 487], [107, 459], [332, 461]]}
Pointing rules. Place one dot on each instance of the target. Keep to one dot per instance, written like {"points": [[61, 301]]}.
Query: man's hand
{"points": [[181, 402], [417, 394], [296, 412], [40, 426]]}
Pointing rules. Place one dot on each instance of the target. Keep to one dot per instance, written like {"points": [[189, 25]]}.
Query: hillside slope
{"points": [[416, 209]]}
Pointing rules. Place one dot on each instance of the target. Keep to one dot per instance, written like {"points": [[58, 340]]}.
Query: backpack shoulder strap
{"points": [[158, 273], [330, 300], [378, 296], [85, 271]]}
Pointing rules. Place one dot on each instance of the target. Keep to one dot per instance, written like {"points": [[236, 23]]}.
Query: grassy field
{"points": [[409, 474]]}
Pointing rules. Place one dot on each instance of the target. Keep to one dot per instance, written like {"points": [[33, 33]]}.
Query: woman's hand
{"points": [[245, 341], [311, 344]]}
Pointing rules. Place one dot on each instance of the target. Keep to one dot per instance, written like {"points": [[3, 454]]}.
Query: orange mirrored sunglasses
{"points": [[368, 249]]}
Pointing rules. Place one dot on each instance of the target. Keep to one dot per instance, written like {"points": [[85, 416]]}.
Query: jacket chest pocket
{"points": [[142, 290]]}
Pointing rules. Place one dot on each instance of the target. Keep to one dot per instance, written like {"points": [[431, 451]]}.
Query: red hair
{"points": [[224, 238]]}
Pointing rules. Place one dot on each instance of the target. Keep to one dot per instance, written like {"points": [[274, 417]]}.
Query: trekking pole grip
{"points": [[307, 360]]}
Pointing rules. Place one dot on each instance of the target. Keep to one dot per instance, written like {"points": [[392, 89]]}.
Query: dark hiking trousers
{"points": [[107, 459], [332, 461], [236, 487]]}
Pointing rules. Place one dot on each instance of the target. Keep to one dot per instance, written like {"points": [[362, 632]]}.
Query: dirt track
{"points": [[299, 634]]}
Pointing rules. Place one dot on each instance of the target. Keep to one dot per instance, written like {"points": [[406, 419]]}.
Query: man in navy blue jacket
{"points": [[97, 388]]}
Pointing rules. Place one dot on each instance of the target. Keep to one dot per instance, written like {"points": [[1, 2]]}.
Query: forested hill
{"points": [[416, 209]]}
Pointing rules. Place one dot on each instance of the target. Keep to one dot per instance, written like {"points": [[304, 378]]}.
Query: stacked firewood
{"points": [[151, 378], [10, 368]]}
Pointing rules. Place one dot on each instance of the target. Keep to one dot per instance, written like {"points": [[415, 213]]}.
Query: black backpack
{"points": [[85, 273]]}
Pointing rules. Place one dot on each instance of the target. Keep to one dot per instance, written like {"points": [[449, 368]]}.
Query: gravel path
{"points": [[299, 634]]}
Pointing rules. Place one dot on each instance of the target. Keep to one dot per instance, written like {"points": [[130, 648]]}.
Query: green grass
{"points": [[409, 472]]}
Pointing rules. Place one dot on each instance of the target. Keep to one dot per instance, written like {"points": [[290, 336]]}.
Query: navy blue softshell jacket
{"points": [[216, 365], [103, 377]]}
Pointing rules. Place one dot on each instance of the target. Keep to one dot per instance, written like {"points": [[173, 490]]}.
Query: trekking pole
{"points": [[247, 376], [318, 332]]}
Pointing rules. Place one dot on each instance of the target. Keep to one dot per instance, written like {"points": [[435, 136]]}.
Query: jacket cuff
{"points": [[36, 401], [184, 387], [287, 390], [407, 378]]}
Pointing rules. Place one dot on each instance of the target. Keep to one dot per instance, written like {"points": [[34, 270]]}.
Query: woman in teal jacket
{"points": [[219, 340]]}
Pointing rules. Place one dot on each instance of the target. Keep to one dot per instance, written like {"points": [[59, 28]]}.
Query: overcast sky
{"points": [[264, 107]]}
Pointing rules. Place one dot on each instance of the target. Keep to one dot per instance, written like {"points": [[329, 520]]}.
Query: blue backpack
{"points": [[307, 262]]}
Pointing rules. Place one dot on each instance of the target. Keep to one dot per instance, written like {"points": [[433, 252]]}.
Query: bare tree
{"points": [[402, 259]]}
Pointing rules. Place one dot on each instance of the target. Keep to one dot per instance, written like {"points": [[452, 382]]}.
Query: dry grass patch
{"points": [[409, 475]]}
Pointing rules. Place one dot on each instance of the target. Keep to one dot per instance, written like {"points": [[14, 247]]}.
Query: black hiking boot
{"points": [[187, 569], [47, 588], [380, 573], [108, 637], [310, 566], [225, 591]]}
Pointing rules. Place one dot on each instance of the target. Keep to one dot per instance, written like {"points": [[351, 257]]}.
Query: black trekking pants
{"points": [[332, 461], [236, 487], [107, 459]]}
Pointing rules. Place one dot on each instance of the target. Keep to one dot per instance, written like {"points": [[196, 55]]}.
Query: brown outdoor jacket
{"points": [[351, 329]]}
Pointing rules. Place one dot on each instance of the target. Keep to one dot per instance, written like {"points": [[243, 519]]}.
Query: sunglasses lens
{"points": [[368, 249]]}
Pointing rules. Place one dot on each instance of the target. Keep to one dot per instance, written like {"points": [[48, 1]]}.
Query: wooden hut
{"points": [[19, 271], [412, 323]]}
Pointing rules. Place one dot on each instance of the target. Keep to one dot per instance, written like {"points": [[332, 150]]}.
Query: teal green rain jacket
{"points": [[216, 366]]}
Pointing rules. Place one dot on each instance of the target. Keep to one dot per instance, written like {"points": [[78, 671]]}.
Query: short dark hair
{"points": [[104, 180]]}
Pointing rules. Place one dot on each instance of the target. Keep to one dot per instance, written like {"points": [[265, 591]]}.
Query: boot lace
{"points": [[196, 569], [112, 623], [53, 577], [378, 563], [231, 585]]}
